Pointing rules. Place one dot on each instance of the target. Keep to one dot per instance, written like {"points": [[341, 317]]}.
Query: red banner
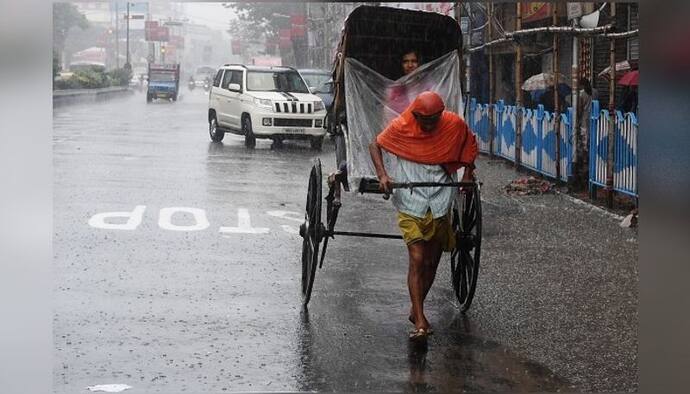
{"points": [[298, 31], [298, 19], [236, 46], [285, 38], [154, 32], [536, 11]]}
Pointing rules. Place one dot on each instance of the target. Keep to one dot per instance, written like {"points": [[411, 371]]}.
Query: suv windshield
{"points": [[316, 80], [276, 81]]}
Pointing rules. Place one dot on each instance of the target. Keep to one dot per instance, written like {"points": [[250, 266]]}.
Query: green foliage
{"points": [[263, 18], [90, 79], [120, 77], [95, 78]]}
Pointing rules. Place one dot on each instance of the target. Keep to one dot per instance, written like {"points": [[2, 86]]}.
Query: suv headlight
{"points": [[263, 103], [318, 106]]}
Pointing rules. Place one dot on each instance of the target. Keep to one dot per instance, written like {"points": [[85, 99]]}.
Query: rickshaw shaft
{"points": [[411, 185], [367, 235]]}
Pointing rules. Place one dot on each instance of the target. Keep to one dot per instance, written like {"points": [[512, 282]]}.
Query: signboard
{"points": [[532, 12], [285, 41], [236, 46], [267, 61], [154, 32], [299, 26]]}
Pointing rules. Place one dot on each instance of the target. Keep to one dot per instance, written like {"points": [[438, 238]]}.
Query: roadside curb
{"points": [[591, 206], [76, 96]]}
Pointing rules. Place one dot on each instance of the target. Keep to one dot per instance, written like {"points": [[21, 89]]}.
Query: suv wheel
{"points": [[213, 131], [316, 143], [249, 138]]}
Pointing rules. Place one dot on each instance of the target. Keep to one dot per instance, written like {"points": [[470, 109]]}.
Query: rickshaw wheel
{"points": [[464, 259], [312, 231]]}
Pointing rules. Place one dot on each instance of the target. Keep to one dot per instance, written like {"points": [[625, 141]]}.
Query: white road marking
{"points": [[244, 225], [299, 218], [165, 219], [133, 219], [289, 229]]}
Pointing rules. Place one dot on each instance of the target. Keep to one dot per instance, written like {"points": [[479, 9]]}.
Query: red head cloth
{"points": [[428, 103], [450, 144]]}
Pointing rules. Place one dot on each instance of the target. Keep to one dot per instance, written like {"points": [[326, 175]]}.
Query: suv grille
{"points": [[292, 122], [292, 107]]}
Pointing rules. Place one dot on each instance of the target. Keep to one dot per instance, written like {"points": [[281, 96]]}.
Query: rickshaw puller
{"points": [[431, 145]]}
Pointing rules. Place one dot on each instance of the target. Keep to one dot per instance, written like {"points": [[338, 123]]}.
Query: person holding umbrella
{"points": [[630, 81]]}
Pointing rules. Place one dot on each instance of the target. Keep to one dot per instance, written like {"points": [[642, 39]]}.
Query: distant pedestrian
{"points": [[430, 144]]}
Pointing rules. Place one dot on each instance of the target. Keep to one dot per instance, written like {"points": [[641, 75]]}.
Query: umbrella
{"points": [[563, 91], [630, 79], [542, 82], [625, 65]]}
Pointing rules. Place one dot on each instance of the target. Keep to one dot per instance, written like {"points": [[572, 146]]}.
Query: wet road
{"points": [[202, 293]]}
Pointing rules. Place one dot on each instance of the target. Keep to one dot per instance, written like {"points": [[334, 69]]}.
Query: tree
{"points": [[65, 17], [266, 19]]}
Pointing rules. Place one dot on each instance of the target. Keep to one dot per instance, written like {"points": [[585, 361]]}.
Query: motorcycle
{"points": [[191, 85], [207, 86]]}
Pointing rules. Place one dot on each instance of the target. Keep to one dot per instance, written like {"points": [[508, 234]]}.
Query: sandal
{"points": [[419, 334], [428, 330]]}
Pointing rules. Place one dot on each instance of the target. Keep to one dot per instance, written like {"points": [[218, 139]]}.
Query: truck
{"points": [[164, 82]]}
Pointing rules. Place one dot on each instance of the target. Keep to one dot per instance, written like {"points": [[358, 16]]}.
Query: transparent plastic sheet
{"points": [[373, 100]]}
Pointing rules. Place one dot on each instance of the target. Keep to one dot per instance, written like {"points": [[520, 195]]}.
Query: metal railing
{"points": [[625, 153], [538, 130]]}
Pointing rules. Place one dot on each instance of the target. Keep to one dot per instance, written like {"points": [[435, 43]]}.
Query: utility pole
{"points": [[612, 113], [575, 120], [128, 65], [468, 63], [556, 96], [117, 36], [492, 111], [518, 89]]}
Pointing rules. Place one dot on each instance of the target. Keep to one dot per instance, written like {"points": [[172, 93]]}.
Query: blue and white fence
{"points": [[505, 121], [538, 150], [625, 150], [478, 120]]}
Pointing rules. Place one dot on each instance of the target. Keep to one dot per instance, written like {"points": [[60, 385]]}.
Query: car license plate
{"points": [[161, 95], [295, 131]]}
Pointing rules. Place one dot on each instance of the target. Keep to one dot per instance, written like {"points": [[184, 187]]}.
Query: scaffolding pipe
{"points": [[601, 30]]}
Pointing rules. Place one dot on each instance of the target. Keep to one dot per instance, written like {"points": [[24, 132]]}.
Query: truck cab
{"points": [[164, 82]]}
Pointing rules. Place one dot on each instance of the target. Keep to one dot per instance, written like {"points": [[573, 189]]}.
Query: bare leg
{"points": [[415, 283], [431, 256]]}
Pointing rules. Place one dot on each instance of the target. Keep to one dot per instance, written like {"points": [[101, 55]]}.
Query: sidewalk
{"points": [[557, 284]]}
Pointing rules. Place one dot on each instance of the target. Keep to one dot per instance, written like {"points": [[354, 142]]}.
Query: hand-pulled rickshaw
{"points": [[365, 69]]}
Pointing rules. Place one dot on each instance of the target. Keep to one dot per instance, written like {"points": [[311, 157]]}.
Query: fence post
{"points": [[593, 147], [540, 137]]}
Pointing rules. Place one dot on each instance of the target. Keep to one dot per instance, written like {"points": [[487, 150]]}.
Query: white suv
{"points": [[264, 102]]}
